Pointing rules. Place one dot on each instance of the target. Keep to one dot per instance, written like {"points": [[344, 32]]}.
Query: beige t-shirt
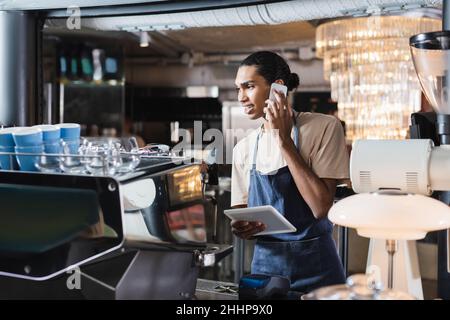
{"points": [[322, 146]]}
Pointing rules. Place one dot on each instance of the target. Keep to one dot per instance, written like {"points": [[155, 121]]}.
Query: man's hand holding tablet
{"points": [[256, 221]]}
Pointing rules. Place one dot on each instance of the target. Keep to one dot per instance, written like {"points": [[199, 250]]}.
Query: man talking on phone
{"points": [[293, 162]]}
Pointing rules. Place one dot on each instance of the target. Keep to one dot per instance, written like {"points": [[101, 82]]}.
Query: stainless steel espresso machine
{"points": [[140, 235]]}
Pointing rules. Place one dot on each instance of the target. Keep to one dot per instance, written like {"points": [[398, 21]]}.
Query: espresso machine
{"points": [[139, 235]]}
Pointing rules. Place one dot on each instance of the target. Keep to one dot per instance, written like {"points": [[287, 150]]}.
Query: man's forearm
{"points": [[311, 187]]}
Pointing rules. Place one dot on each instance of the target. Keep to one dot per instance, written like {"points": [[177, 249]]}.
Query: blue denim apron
{"points": [[308, 257]]}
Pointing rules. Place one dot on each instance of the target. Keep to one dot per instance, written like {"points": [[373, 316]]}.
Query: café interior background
{"points": [[169, 76]]}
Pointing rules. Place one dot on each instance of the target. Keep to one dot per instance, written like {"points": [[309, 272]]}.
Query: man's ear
{"points": [[279, 81]]}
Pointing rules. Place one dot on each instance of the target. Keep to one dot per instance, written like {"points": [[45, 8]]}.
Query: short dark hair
{"points": [[272, 67]]}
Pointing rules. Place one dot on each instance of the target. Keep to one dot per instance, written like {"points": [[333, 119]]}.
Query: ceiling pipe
{"points": [[198, 58], [265, 14]]}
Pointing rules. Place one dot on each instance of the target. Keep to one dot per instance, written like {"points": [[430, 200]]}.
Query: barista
{"points": [[293, 162]]}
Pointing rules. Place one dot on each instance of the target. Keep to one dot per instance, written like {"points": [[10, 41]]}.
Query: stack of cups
{"points": [[50, 135], [70, 142], [70, 134], [7, 144], [28, 140], [51, 140]]}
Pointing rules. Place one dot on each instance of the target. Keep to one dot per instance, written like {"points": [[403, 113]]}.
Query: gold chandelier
{"points": [[368, 63]]}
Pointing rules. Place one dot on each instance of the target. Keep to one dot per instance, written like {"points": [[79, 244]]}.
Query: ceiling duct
{"points": [[270, 13], [53, 4]]}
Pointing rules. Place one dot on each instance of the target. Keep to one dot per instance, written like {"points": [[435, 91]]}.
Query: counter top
{"points": [[216, 290]]}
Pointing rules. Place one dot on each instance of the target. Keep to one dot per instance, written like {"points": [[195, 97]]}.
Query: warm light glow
{"points": [[185, 185], [368, 63]]}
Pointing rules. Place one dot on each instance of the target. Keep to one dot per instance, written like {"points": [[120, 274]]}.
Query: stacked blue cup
{"points": [[51, 138], [70, 134], [50, 135], [28, 140], [7, 144]]}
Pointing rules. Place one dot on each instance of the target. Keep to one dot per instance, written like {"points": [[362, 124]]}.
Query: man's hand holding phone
{"points": [[278, 112]]}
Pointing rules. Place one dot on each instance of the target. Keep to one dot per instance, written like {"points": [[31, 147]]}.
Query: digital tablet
{"points": [[275, 222]]}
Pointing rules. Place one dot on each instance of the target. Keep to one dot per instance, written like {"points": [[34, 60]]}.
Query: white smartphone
{"points": [[279, 88]]}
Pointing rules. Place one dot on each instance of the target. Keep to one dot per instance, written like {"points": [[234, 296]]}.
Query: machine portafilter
{"points": [[210, 176]]}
